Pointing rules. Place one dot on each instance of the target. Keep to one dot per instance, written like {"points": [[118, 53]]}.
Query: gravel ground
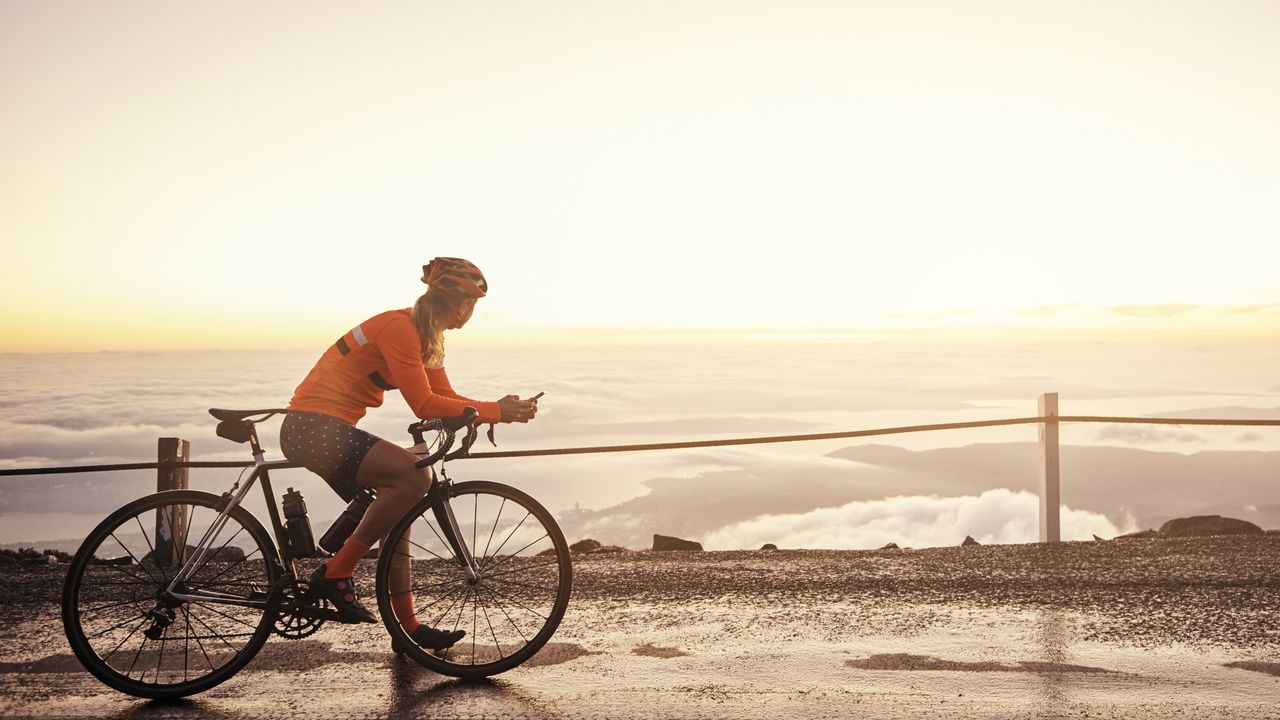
{"points": [[1135, 628]]}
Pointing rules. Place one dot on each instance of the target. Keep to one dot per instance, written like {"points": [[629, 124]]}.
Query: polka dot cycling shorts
{"points": [[327, 447]]}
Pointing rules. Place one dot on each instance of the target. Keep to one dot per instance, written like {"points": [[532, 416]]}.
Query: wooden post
{"points": [[1050, 493], [171, 522]]}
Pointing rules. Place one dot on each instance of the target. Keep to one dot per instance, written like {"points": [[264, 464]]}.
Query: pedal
{"points": [[326, 614]]}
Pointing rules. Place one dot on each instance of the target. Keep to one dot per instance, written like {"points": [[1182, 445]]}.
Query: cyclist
{"points": [[398, 349]]}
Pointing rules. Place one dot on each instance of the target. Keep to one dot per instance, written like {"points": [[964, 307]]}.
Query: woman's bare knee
{"points": [[388, 466], [419, 482]]}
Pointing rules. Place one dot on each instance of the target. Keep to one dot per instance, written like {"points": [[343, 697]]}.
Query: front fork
{"points": [[440, 493]]}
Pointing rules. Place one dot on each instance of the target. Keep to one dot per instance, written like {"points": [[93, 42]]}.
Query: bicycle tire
{"points": [[472, 661], [83, 586]]}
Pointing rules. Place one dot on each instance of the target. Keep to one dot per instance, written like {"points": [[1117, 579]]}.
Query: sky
{"points": [[240, 176]]}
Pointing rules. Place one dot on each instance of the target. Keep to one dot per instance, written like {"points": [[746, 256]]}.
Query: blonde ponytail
{"points": [[431, 336]]}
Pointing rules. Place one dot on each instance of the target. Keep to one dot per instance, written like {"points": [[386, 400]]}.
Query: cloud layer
{"points": [[111, 407], [995, 516]]}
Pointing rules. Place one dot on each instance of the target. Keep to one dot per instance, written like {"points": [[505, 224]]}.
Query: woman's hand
{"points": [[516, 410]]}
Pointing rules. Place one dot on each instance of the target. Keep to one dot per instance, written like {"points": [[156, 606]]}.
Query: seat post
{"points": [[253, 443]]}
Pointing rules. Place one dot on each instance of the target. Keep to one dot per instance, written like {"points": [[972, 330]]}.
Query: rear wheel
{"points": [[131, 633], [511, 611]]}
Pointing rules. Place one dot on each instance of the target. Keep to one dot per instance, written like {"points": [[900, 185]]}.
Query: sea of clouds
{"points": [[73, 409], [995, 516]]}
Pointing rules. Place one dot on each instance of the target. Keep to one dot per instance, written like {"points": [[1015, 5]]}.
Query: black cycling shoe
{"points": [[429, 638], [342, 593]]}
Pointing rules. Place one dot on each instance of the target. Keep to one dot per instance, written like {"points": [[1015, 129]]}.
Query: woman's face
{"points": [[456, 311]]}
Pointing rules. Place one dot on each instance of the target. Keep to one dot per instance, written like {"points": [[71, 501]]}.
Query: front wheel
{"points": [[135, 636], [510, 611]]}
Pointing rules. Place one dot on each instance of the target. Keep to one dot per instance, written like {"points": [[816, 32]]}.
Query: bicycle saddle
{"points": [[232, 415]]}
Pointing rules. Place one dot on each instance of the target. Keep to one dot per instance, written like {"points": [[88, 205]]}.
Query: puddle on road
{"points": [[908, 662], [1269, 668], [651, 650], [557, 653]]}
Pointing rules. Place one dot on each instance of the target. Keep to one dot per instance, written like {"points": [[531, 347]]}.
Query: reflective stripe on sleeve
{"points": [[358, 334]]}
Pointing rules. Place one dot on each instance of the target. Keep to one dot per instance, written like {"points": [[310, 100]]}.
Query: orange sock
{"points": [[343, 563], [403, 605]]}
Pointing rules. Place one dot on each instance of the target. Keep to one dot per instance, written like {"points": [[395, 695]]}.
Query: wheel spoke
{"points": [[139, 580], [428, 551], [211, 555], [509, 581], [509, 535], [463, 607], [136, 655], [513, 622], [517, 553], [117, 615], [160, 661], [206, 583], [155, 556], [443, 543], [442, 598], [141, 621], [229, 617], [495, 591], [492, 633], [496, 520], [135, 560], [186, 530], [416, 588], [117, 626], [214, 633], [526, 568], [449, 609], [100, 608], [190, 632]]}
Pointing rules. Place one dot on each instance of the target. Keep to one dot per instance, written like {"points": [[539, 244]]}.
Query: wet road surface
{"points": [[1126, 629]]}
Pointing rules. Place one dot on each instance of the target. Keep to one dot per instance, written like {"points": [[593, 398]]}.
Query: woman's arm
{"points": [[402, 350], [440, 384]]}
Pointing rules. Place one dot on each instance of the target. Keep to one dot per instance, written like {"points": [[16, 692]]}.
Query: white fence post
{"points": [[1050, 494]]}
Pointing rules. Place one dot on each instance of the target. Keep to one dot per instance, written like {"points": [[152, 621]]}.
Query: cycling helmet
{"points": [[455, 274]]}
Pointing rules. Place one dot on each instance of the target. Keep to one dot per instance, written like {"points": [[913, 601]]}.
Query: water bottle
{"points": [[297, 526], [346, 523]]}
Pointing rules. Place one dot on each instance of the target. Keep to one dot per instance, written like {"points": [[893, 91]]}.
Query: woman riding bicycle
{"points": [[398, 349]]}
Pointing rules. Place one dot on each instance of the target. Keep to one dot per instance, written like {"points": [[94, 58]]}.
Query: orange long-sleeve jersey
{"points": [[382, 353]]}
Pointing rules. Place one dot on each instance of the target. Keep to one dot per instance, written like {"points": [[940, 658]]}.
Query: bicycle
{"points": [[213, 605]]}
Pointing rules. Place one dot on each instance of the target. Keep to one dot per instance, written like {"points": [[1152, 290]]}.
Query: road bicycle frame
{"points": [[284, 558]]}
